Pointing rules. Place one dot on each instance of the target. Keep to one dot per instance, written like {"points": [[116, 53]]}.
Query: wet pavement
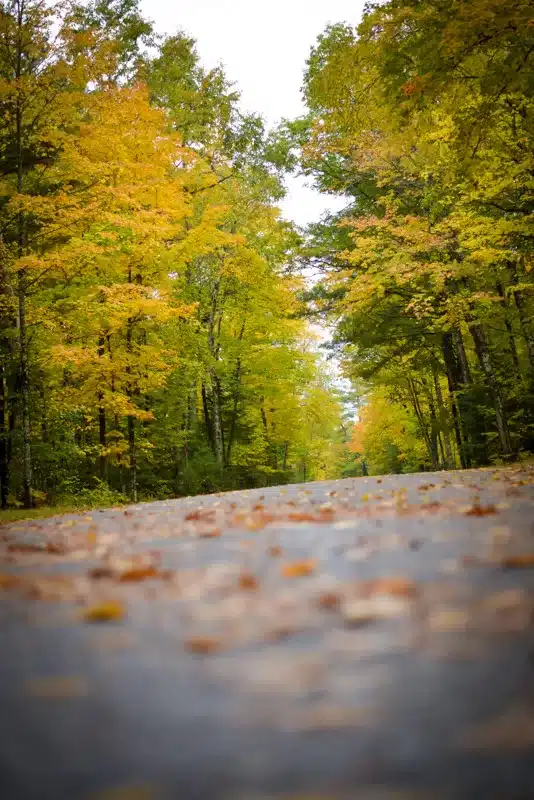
{"points": [[364, 638]]}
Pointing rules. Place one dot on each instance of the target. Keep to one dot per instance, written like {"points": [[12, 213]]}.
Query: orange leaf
{"points": [[397, 587], [202, 645], [330, 601], [524, 561], [140, 573], [10, 581], [480, 511], [200, 513], [104, 612], [248, 581], [298, 569]]}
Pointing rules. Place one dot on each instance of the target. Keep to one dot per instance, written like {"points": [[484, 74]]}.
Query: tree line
{"points": [[155, 306], [422, 117], [152, 335]]}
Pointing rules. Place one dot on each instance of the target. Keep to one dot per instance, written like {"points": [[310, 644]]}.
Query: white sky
{"points": [[263, 47]]}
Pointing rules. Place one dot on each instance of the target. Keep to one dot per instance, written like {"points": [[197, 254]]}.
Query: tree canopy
{"points": [[155, 306], [153, 337], [422, 117]]}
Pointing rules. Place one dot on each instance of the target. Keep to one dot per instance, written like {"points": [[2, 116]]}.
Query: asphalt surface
{"points": [[364, 638]]}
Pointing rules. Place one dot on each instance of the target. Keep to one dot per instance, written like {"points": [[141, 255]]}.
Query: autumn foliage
{"points": [[151, 336]]}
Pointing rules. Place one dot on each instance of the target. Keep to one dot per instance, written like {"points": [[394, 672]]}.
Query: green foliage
{"points": [[422, 118], [153, 341]]}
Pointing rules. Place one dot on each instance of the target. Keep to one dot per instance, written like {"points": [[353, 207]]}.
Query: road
{"points": [[364, 638]]}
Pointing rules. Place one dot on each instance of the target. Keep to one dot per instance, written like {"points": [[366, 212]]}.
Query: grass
{"points": [[44, 511], [15, 514]]}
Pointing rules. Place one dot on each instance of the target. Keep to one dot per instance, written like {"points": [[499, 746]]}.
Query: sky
{"points": [[263, 45]]}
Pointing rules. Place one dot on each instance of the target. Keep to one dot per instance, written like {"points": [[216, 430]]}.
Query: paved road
{"points": [[367, 638]]}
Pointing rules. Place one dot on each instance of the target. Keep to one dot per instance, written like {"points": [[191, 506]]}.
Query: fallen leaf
{"points": [[472, 561], [111, 611], [48, 588], [508, 600], [21, 547], [525, 561], [396, 587], [298, 569], [211, 533], [258, 522], [57, 687], [512, 730], [248, 581], [275, 550], [444, 620], [10, 581], [97, 573], [140, 573], [202, 645], [363, 611], [56, 548], [477, 510], [279, 633], [330, 601], [200, 514]]}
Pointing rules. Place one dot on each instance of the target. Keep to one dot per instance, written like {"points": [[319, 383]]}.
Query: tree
{"points": [[405, 121]]}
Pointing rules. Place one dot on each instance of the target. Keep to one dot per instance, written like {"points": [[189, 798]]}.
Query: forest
{"points": [[157, 314]]}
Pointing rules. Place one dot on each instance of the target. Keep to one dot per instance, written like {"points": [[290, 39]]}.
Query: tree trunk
{"points": [[448, 457], [25, 396], [233, 420], [465, 461], [218, 442], [207, 418], [132, 454], [4, 463], [102, 433], [217, 430], [465, 372], [432, 451], [524, 321], [6, 322], [286, 451], [471, 444], [236, 382], [509, 329], [132, 458], [452, 371], [21, 289], [434, 438], [484, 357], [434, 427]]}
